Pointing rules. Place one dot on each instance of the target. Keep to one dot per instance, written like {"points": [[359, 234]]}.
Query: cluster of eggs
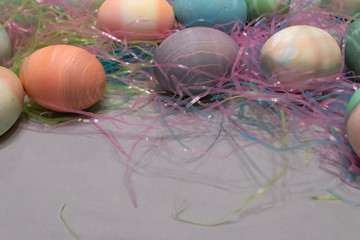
{"points": [[188, 62]]}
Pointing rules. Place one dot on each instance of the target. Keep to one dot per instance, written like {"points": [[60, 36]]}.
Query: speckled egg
{"points": [[11, 99], [353, 122], [63, 78], [352, 48], [5, 46], [194, 59], [257, 8], [136, 20], [300, 53], [208, 13]]}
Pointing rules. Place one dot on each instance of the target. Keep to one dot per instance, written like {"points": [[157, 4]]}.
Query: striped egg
{"points": [[63, 78], [136, 20], [5, 46], [193, 60], [352, 122], [301, 53], [262, 7], [11, 99]]}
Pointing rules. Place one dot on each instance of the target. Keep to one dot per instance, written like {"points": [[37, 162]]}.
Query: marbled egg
{"points": [[5, 46], [136, 20], [63, 78], [257, 8], [194, 59], [300, 53], [353, 122], [208, 13], [352, 48], [11, 99]]}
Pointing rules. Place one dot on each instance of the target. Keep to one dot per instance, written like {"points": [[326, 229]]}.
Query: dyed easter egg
{"points": [[208, 13], [352, 48], [11, 99], [347, 7], [300, 53], [89, 3], [352, 122], [5, 46], [194, 59], [63, 78], [262, 7], [136, 20]]}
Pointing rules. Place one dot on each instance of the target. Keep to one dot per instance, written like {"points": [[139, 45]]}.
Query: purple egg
{"points": [[194, 60]]}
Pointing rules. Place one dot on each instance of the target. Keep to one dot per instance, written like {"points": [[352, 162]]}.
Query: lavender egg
{"points": [[194, 60]]}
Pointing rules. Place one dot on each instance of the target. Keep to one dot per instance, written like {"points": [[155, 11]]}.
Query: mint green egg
{"points": [[354, 101], [256, 8]]}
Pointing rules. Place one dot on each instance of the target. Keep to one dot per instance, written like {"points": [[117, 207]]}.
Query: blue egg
{"points": [[208, 13]]}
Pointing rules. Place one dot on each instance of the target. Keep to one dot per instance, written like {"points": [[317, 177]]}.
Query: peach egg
{"points": [[136, 20], [63, 78], [11, 99]]}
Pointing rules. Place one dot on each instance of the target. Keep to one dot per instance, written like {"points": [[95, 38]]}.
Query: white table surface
{"points": [[41, 169]]}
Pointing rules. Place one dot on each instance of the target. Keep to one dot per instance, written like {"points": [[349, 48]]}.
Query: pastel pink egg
{"points": [[11, 99], [63, 78], [136, 20]]}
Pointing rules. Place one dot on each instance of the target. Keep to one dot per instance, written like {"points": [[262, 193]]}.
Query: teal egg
{"points": [[208, 13], [256, 8], [352, 48]]}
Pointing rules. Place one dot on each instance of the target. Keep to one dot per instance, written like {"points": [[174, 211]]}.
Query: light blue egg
{"points": [[208, 13], [5, 46]]}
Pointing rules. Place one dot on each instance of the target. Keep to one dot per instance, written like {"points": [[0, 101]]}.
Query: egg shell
{"points": [[208, 13], [208, 53], [353, 122], [256, 8], [300, 53], [352, 48], [63, 78], [11, 99], [136, 20], [5, 46]]}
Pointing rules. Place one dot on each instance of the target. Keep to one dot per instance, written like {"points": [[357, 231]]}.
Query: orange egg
{"points": [[63, 78], [136, 20]]}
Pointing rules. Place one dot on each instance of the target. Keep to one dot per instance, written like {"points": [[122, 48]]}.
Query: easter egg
{"points": [[88, 3], [301, 56], [63, 78], [11, 99], [257, 8], [193, 60], [352, 48], [352, 122], [136, 20], [347, 7], [208, 13], [5, 46]]}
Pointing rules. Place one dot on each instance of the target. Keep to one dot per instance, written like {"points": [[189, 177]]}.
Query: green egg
{"points": [[257, 8], [354, 101], [352, 48]]}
